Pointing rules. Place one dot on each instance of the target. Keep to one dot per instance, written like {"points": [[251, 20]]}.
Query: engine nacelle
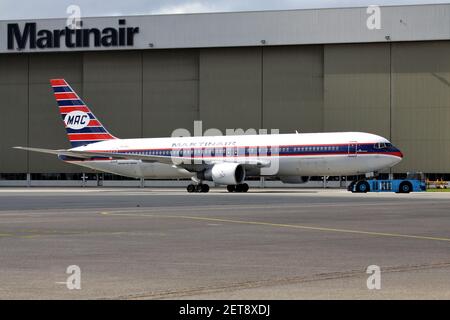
{"points": [[226, 173], [294, 179]]}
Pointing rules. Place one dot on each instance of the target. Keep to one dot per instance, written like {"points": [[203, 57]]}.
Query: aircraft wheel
{"points": [[190, 188], [239, 188], [205, 188], [231, 188], [245, 187]]}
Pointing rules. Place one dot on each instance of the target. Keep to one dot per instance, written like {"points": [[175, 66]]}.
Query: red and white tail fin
{"points": [[81, 125]]}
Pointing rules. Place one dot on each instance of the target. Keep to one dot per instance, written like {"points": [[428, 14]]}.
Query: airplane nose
{"points": [[399, 153], [397, 156], [396, 152]]}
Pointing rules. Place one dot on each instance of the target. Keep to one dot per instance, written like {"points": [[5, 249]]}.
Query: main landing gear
{"points": [[197, 188], [243, 187]]}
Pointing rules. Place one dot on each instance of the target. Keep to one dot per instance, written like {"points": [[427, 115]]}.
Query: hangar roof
{"points": [[287, 27]]}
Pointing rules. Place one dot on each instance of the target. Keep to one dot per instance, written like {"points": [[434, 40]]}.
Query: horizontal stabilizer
{"points": [[51, 151]]}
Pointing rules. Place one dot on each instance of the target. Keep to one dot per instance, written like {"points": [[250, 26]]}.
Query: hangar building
{"points": [[306, 70]]}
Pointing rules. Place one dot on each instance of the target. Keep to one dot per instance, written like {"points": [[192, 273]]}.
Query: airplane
{"points": [[225, 160]]}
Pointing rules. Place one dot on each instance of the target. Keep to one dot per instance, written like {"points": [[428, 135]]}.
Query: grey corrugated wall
{"points": [[398, 90]]}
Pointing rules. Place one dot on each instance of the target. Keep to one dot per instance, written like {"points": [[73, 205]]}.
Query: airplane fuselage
{"points": [[283, 155], [225, 160]]}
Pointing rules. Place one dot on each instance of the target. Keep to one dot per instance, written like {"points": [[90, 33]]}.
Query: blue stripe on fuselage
{"points": [[254, 151]]}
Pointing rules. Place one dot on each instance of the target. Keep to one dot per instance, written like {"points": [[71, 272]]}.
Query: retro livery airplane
{"points": [[225, 160]]}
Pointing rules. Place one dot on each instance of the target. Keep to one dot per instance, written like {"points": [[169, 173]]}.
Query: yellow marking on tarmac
{"points": [[37, 234], [294, 226], [8, 235], [5, 235]]}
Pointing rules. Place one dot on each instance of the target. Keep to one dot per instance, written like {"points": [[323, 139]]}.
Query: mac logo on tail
{"points": [[76, 120]]}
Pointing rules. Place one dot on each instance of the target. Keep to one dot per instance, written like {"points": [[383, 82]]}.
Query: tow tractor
{"points": [[414, 182]]}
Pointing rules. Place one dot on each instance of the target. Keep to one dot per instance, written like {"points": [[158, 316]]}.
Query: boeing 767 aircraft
{"points": [[225, 160]]}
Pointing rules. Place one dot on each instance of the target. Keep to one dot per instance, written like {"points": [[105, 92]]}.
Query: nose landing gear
{"points": [[200, 187]]}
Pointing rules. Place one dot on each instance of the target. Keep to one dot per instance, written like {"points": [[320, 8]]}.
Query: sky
{"points": [[34, 9]]}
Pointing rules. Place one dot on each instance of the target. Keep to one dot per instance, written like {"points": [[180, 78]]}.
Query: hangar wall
{"points": [[293, 88], [230, 88], [398, 90], [357, 83], [14, 120], [421, 104]]}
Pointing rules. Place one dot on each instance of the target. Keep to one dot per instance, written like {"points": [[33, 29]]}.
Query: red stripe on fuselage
{"points": [[328, 153], [239, 147], [397, 154]]}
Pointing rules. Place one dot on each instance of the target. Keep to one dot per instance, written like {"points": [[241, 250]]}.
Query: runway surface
{"points": [[266, 244]]}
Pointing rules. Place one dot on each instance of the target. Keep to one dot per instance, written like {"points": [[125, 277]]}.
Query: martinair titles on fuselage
{"points": [[71, 38], [203, 144]]}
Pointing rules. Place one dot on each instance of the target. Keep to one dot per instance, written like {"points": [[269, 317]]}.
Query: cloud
{"points": [[188, 7], [32, 9]]}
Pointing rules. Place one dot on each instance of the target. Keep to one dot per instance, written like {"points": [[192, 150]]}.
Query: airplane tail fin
{"points": [[81, 125]]}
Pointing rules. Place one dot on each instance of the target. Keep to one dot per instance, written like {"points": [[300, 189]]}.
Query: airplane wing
{"points": [[113, 155], [178, 161]]}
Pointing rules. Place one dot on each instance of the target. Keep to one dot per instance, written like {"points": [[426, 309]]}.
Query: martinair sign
{"points": [[29, 35], [217, 30]]}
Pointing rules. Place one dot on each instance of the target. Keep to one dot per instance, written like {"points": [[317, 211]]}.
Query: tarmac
{"points": [[150, 243]]}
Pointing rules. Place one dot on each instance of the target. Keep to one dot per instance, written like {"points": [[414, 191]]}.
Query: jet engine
{"points": [[226, 173], [294, 179]]}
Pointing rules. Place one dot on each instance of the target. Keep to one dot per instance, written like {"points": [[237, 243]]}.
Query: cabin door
{"points": [[352, 149]]}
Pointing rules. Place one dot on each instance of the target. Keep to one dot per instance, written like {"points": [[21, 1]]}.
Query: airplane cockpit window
{"points": [[380, 145]]}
